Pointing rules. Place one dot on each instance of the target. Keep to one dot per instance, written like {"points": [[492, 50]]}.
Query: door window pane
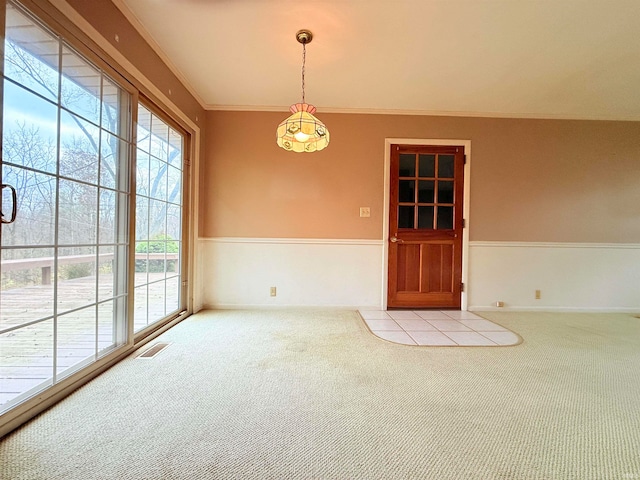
{"points": [[427, 166], [26, 362], [445, 166], [406, 191], [27, 286], [31, 55], [76, 278], [425, 218], [405, 216], [79, 146], [445, 218], [426, 191], [407, 165], [76, 339], [36, 207], [29, 130], [77, 213], [80, 91], [112, 107], [445, 192]]}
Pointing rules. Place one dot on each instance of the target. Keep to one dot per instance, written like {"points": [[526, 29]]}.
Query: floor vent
{"points": [[153, 350]]}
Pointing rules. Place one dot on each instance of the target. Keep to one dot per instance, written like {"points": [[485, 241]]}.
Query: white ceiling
{"points": [[515, 58]]}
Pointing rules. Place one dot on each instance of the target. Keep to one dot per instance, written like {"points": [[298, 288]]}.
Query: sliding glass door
{"points": [[66, 156], [159, 243]]}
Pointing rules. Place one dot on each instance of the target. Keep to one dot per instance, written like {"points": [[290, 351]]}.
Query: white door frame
{"points": [[465, 208]]}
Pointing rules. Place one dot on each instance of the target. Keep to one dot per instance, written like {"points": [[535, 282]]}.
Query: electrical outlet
{"points": [[537, 294], [499, 304], [365, 212], [273, 291]]}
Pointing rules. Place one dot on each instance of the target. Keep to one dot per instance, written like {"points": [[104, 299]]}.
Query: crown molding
{"points": [[144, 33]]}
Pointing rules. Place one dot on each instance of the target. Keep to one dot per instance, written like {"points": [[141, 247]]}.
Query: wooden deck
{"points": [[27, 353]]}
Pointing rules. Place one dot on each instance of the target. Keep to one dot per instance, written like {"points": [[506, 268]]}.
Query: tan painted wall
{"points": [[531, 180]]}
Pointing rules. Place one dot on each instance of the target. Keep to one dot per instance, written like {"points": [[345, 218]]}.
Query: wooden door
{"points": [[425, 226]]}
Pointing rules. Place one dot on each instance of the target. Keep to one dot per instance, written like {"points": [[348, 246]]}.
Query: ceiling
{"points": [[505, 58]]}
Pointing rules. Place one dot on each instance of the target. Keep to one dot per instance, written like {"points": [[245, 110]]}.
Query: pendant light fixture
{"points": [[302, 132]]}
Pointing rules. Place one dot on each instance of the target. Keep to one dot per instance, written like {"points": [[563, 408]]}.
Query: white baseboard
{"points": [[532, 308]]}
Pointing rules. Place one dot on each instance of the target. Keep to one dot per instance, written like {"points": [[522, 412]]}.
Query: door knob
{"points": [[395, 239]]}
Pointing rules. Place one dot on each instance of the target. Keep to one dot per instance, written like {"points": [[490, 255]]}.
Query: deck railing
{"points": [[46, 263]]}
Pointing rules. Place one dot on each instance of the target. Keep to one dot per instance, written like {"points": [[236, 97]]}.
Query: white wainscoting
{"points": [[238, 273], [570, 276]]}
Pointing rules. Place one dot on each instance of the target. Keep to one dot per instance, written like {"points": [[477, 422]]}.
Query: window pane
{"points": [[406, 191], [30, 130], [142, 173], [173, 295], [407, 165], [111, 149], [157, 297], [144, 129], [172, 259], [425, 191], [76, 338], [174, 221], [159, 139], [157, 219], [112, 107], [76, 278], [175, 148], [79, 142], [425, 218], [36, 207], [140, 309], [427, 166], [405, 216], [107, 325], [445, 166], [106, 273], [26, 274], [80, 86], [142, 218], [78, 213], [107, 223], [142, 263], [174, 190], [445, 192], [31, 367], [158, 178], [445, 218], [31, 55]]}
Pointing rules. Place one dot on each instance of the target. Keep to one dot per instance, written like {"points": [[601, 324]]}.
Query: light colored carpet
{"points": [[314, 395]]}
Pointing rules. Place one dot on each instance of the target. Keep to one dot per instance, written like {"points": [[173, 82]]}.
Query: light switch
{"points": [[365, 211]]}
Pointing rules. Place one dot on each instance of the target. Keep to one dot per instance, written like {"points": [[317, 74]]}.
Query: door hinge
{"points": [[465, 159], [464, 223], [185, 283], [462, 287]]}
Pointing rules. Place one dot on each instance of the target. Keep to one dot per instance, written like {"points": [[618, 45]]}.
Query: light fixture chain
{"points": [[304, 58]]}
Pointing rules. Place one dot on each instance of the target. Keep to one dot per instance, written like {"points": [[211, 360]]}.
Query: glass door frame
{"points": [[59, 21], [184, 306]]}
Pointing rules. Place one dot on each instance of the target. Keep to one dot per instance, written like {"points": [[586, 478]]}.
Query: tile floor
{"points": [[437, 328]]}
